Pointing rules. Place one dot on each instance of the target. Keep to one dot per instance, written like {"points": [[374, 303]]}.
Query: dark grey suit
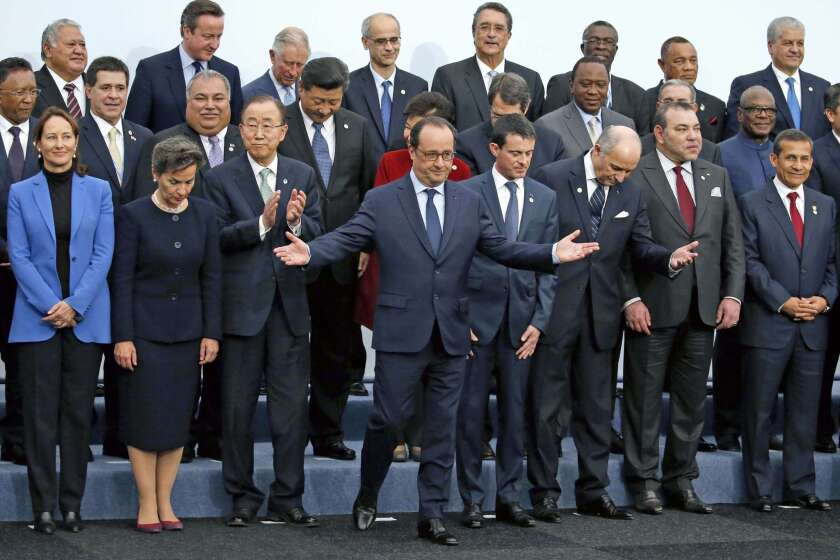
{"points": [[567, 122], [626, 95]]}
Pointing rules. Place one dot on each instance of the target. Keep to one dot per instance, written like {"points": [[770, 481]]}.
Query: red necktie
{"points": [[796, 218], [684, 199], [72, 103]]}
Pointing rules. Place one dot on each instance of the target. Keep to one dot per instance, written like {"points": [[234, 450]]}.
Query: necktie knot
{"points": [[288, 95], [511, 186], [318, 126], [385, 85], [113, 133], [14, 131], [678, 169], [492, 74], [197, 67], [792, 196], [430, 193], [266, 173], [791, 81], [214, 140], [69, 88]]}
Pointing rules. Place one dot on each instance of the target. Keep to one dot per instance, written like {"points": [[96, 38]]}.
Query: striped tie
{"points": [[596, 207], [72, 103]]}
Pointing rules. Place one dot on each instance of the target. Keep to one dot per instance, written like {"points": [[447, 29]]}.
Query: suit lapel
{"points": [[49, 90], [450, 212], [175, 74], [131, 149], [655, 177], [488, 191], [780, 213], [576, 128], [77, 199], [475, 83], [343, 130], [702, 190], [580, 194], [527, 208], [100, 149], [370, 94], [41, 192], [233, 143], [611, 207], [810, 104], [30, 164], [298, 136], [408, 201], [397, 107], [771, 83], [247, 185], [834, 150], [811, 219]]}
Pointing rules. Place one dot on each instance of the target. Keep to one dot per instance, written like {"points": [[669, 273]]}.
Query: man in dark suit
{"points": [[509, 312], [61, 78], [600, 39], [508, 95], [260, 196], [671, 322], [466, 82], [110, 146], [340, 146], [18, 160], [571, 370], [580, 122], [288, 56], [678, 61], [157, 99], [789, 241], [421, 326], [798, 94], [379, 91]]}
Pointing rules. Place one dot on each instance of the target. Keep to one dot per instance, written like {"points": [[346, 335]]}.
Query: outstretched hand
{"points": [[566, 250], [684, 256], [295, 253]]}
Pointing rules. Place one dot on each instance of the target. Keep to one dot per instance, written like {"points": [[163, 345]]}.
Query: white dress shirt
{"points": [[78, 93], [504, 194], [797, 83], [586, 117], [282, 90], [8, 138], [379, 80], [205, 142], [257, 168], [784, 190], [187, 64], [485, 69], [105, 127], [592, 180], [328, 131], [687, 174], [438, 201]]}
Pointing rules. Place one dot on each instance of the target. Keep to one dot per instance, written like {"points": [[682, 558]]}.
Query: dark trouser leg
{"points": [[358, 357], [727, 371], [510, 396], [615, 364], [11, 427], [413, 432], [111, 372], [826, 420], [209, 419]]}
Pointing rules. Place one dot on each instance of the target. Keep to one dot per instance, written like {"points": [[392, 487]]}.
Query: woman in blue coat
{"points": [[60, 240]]}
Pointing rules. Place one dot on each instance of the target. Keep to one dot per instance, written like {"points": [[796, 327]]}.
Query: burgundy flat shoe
{"points": [[149, 528], [172, 525]]}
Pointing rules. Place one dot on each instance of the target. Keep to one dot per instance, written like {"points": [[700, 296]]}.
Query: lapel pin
{"points": [[285, 181], [230, 148], [579, 190], [814, 209], [454, 168], [346, 125], [702, 177], [702, 107], [402, 92], [131, 135], [810, 88], [531, 199]]}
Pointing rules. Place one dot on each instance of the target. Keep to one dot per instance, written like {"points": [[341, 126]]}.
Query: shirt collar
{"points": [[277, 85], [104, 126], [257, 167], [484, 68], [668, 165], [6, 124], [783, 189], [187, 60], [500, 180], [420, 187], [60, 82], [378, 79], [834, 132], [589, 167], [329, 124], [586, 116], [782, 76], [752, 144]]}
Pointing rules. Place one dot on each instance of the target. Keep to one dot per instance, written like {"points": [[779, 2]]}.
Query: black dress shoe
{"points": [[546, 510], [435, 531], [487, 453], [825, 445], [73, 522], [115, 449], [471, 517], [687, 500], [364, 516], [241, 517], [648, 502], [809, 501], [296, 516], [210, 450], [44, 523], [13, 453], [729, 443], [514, 514], [777, 443], [604, 507], [335, 450], [616, 443], [188, 455], [762, 504], [706, 446], [358, 389]]}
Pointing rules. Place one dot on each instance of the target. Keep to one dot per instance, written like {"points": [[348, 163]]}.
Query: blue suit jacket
{"points": [[825, 173], [418, 289], [253, 276], [472, 144], [362, 98], [812, 121], [777, 268], [493, 288], [158, 97], [261, 86], [32, 246], [30, 168]]}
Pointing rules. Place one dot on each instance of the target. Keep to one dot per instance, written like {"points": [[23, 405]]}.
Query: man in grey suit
{"points": [[288, 55], [466, 82], [581, 121], [671, 322], [600, 39]]}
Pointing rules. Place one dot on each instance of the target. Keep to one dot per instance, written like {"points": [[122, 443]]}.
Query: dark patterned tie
{"points": [[16, 157], [596, 207], [385, 107], [197, 67], [322, 153], [72, 103], [433, 227], [512, 213]]}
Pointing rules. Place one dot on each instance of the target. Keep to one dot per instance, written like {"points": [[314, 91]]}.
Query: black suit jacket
{"points": [[626, 95], [472, 147], [253, 276], [825, 173], [144, 184], [50, 95], [711, 112], [362, 98], [708, 150], [462, 83]]}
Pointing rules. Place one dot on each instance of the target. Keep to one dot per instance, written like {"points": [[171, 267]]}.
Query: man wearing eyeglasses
{"points": [[467, 82], [379, 90]]}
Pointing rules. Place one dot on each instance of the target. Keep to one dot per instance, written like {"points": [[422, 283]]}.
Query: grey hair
{"points": [[774, 30], [291, 36], [368, 20], [613, 135], [208, 75], [753, 90], [50, 34], [174, 154], [678, 83]]}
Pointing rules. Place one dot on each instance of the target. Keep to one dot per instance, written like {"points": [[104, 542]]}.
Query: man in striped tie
{"points": [[61, 78]]}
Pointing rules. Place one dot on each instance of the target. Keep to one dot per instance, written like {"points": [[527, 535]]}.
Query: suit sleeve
{"points": [[829, 286], [311, 226], [139, 106], [235, 97], [646, 253], [547, 282], [535, 110], [732, 246], [815, 180], [513, 254], [557, 93], [369, 153], [122, 280], [233, 235], [355, 235], [735, 91], [770, 292], [143, 184], [211, 280]]}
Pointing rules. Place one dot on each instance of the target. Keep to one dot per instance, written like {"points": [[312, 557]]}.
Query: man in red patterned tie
{"points": [[61, 78]]}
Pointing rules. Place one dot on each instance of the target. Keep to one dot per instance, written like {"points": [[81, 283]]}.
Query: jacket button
{"points": [[177, 244], [437, 296], [177, 271], [437, 271], [176, 217], [173, 298], [74, 260]]}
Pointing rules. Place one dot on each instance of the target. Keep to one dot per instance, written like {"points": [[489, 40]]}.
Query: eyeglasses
{"points": [[756, 110], [382, 41], [21, 93], [487, 27], [433, 156], [607, 42], [254, 128]]}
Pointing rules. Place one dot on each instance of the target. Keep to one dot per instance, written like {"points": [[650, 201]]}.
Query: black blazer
{"points": [[158, 97], [50, 95], [353, 171], [362, 98], [825, 173], [253, 276], [164, 290], [144, 184], [626, 95], [462, 83], [708, 150], [711, 112], [472, 147]]}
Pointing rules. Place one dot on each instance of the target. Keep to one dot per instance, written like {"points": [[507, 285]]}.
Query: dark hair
{"points": [[511, 88], [599, 23], [174, 154], [790, 135], [434, 121], [831, 99], [430, 103], [196, 9], [662, 112], [105, 64], [265, 99], [13, 64], [54, 112], [497, 7], [326, 72], [670, 41], [508, 125], [587, 60]]}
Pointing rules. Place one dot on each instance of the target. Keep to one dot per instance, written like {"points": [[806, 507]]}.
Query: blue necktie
{"points": [[793, 103], [433, 227], [322, 154], [197, 67], [385, 107], [288, 95], [596, 207], [16, 157], [512, 213]]}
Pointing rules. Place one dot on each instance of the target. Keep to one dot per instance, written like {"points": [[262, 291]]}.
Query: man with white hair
{"points": [[798, 94], [61, 78], [288, 55]]}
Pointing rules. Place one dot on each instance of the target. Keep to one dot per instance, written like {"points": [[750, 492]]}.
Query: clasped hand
{"points": [[804, 309], [61, 315]]}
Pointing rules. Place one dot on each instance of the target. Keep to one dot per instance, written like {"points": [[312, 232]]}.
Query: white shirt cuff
{"points": [[295, 229], [630, 302], [263, 230]]}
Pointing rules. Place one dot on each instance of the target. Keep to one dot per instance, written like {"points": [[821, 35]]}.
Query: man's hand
{"points": [[529, 341], [269, 215], [567, 251], [61, 315], [364, 260], [799, 309], [637, 317], [816, 304], [728, 313], [125, 354], [294, 209], [295, 253], [208, 351], [473, 340], [684, 256]]}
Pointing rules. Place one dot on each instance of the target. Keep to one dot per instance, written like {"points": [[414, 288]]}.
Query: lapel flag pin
{"points": [[346, 125], [531, 199], [702, 177], [230, 148], [579, 190], [402, 92], [285, 181], [810, 88], [814, 209], [702, 107]]}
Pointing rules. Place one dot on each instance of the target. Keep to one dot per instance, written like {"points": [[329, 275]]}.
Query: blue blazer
{"points": [[30, 168], [419, 289], [777, 268], [31, 231], [493, 288], [263, 85], [472, 146], [158, 97], [812, 121]]}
